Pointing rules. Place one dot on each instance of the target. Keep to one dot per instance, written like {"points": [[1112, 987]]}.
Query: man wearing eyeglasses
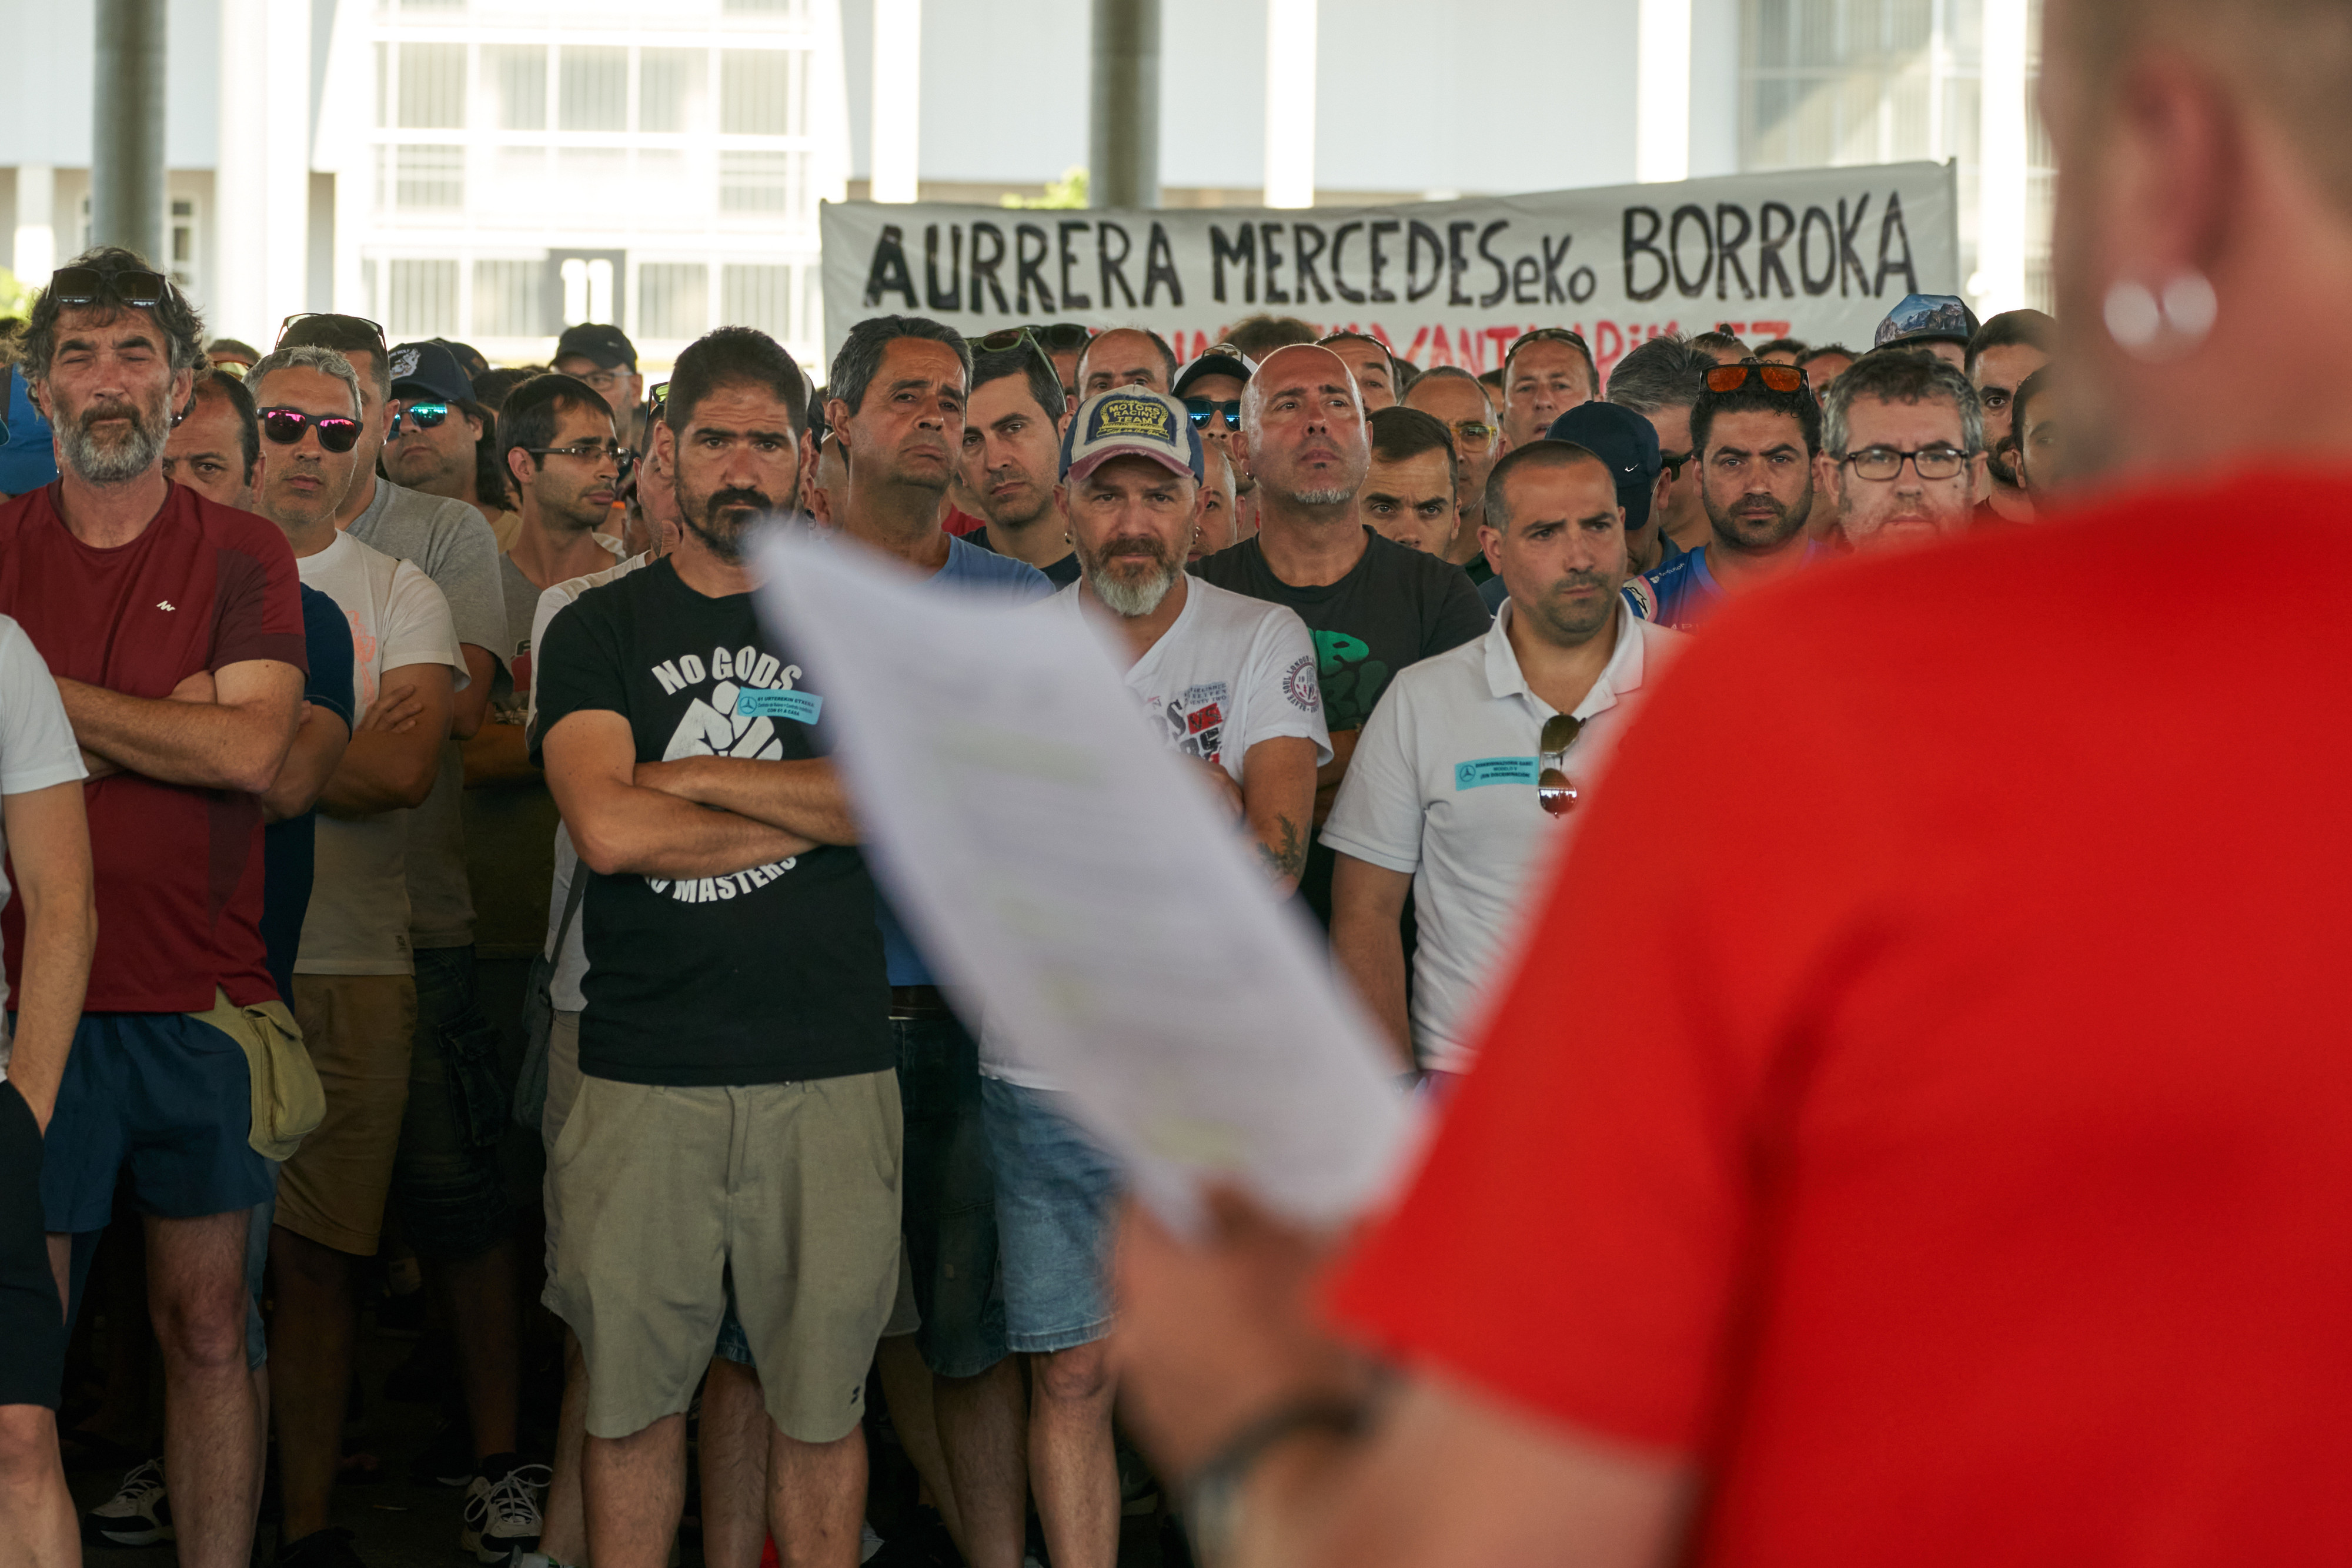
{"points": [[173, 628], [1452, 396], [1903, 456], [434, 438], [601, 354], [1546, 372]]}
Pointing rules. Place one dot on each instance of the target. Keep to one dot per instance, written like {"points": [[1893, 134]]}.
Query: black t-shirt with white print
{"points": [[771, 975]]}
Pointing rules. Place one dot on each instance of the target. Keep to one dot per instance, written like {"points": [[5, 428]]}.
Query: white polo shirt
{"points": [[1442, 789]]}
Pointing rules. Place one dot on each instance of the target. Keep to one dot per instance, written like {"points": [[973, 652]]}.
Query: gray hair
{"points": [[304, 357], [1663, 372], [177, 320], [1893, 375]]}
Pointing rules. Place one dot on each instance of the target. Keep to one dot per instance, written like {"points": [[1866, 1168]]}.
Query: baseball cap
{"points": [[1927, 318], [599, 341], [28, 458], [430, 370], [1624, 439], [1223, 359], [1130, 422], [469, 357]]}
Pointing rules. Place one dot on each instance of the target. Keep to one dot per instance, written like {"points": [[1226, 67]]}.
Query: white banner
{"points": [[1819, 255]]}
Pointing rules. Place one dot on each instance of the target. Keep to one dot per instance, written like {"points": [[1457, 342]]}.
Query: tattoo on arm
{"points": [[1286, 856]]}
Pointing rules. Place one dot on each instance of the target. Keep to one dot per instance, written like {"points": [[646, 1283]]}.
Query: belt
{"points": [[920, 1002]]}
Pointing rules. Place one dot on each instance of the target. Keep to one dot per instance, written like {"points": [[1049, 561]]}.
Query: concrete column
{"points": [[36, 240], [1290, 103], [1123, 123], [896, 141], [126, 173], [1662, 92], [1999, 281]]}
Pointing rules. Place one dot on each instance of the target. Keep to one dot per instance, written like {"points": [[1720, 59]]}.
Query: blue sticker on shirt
{"points": [[801, 707], [1494, 770]]}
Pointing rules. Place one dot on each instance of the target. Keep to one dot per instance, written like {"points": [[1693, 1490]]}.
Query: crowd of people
{"points": [[440, 779]]}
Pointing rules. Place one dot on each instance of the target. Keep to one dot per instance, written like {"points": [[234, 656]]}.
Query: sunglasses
{"points": [[284, 427], [1205, 410], [88, 285], [1554, 791], [1005, 338], [426, 416], [657, 399], [1776, 378]]}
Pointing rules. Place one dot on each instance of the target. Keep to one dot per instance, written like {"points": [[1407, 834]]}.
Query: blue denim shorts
{"points": [[949, 1213], [1056, 1194]]}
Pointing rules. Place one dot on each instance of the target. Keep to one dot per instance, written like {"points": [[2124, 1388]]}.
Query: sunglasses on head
{"points": [[1776, 378], [424, 416], [284, 427], [1005, 338], [288, 325], [1203, 410], [88, 285], [1554, 790]]}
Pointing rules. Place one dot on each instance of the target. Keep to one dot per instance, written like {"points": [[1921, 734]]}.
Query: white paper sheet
{"points": [[1061, 871]]}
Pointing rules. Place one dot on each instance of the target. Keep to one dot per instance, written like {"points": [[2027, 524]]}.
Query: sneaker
{"points": [[138, 1514], [502, 1509], [327, 1548]]}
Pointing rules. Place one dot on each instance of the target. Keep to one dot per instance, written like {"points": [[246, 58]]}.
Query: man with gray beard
{"points": [[1233, 680]]}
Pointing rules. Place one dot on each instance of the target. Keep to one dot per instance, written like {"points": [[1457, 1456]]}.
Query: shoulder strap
{"points": [[571, 897]]}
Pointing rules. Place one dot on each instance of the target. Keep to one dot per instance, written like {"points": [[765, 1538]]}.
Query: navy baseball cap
{"points": [[599, 341], [1927, 318], [1130, 422], [428, 370], [1624, 439]]}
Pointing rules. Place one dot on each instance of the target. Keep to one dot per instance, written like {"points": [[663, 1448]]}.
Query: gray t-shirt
{"points": [[510, 828], [455, 547]]}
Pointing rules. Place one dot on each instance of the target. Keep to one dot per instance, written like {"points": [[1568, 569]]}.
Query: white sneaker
{"points": [[502, 1518], [868, 1543], [138, 1514]]}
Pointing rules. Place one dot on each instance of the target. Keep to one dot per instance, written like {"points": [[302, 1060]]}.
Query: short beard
{"points": [[723, 536], [1740, 531], [129, 455], [1567, 628], [1131, 599], [2004, 470], [1332, 498]]}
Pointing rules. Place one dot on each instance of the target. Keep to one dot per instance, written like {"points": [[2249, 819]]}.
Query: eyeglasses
{"points": [[1203, 410], [88, 285], [1886, 463], [428, 415], [288, 325], [284, 427], [1554, 791], [1673, 463], [1475, 435], [588, 451], [1776, 378]]}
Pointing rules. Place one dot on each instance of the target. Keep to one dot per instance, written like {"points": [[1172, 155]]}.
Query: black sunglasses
{"points": [[427, 416], [88, 285], [284, 427], [1204, 409]]}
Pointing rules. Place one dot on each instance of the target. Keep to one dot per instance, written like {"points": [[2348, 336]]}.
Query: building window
{"points": [[183, 242], [426, 178], [595, 89], [668, 81], [760, 182], [421, 298], [432, 87], [673, 299], [515, 76], [755, 92], [757, 296], [506, 299]]}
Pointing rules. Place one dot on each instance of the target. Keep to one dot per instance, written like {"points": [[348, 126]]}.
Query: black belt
{"points": [[920, 1002]]}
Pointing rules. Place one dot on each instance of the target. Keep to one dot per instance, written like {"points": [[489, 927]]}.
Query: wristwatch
{"points": [[1213, 1503]]}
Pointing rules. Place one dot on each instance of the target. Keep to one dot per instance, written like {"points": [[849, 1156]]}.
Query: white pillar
{"points": [[36, 242], [1662, 92], [1999, 281], [896, 140], [1290, 103], [261, 184]]}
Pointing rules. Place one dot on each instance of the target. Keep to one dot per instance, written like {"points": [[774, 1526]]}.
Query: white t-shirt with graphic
{"points": [[357, 922]]}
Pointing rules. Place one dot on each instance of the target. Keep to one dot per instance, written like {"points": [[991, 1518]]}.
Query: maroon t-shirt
{"points": [[178, 869]]}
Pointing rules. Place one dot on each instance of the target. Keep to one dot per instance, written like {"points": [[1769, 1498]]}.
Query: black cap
{"points": [[1624, 439], [1223, 359], [599, 341], [469, 357], [429, 369]]}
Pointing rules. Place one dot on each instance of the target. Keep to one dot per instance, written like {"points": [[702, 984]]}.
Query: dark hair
{"points": [[221, 384], [1396, 377], [1399, 432], [733, 357], [1045, 381], [235, 347], [492, 389], [1544, 453], [1260, 335], [491, 485], [1709, 343], [1663, 372], [1780, 346], [529, 415], [1901, 378], [181, 327], [1440, 371], [859, 359], [1756, 398], [2009, 329], [1493, 378], [1167, 354], [1407, 372], [347, 335], [2032, 387], [1824, 352], [1555, 335]]}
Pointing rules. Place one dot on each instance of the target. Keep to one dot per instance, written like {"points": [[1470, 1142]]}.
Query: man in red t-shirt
{"points": [[1959, 1169], [174, 627]]}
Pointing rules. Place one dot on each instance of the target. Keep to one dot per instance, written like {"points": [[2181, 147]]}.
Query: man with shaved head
{"points": [[1959, 1170], [1371, 605], [1126, 357]]}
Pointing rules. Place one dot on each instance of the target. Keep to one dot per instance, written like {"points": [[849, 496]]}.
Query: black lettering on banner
{"points": [[1269, 236], [1303, 255], [1828, 279], [1581, 284], [1891, 228], [1417, 234], [1347, 291], [1456, 264], [1223, 250], [1726, 249], [1381, 260], [983, 268], [1494, 296], [1071, 299], [1114, 268], [951, 297], [1769, 264], [1526, 274], [888, 269], [1690, 287], [1553, 292], [1030, 266], [1849, 260], [1644, 243], [1159, 267]]}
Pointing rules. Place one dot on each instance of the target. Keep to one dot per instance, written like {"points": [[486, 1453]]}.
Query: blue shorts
{"points": [[166, 1095], [1055, 1194], [950, 1204], [32, 1318]]}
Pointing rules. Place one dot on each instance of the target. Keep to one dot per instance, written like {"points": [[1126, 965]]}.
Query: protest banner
{"points": [[1819, 254]]}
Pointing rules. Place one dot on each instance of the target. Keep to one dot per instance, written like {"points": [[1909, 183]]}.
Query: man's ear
{"points": [[518, 466]]}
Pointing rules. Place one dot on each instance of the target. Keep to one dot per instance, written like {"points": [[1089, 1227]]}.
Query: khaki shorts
{"points": [[562, 1089], [662, 1193], [360, 1029]]}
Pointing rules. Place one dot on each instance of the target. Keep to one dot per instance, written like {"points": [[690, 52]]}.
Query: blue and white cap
{"points": [[1129, 421]]}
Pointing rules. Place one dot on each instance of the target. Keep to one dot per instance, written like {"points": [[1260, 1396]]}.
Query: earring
{"points": [[1067, 540], [2154, 328]]}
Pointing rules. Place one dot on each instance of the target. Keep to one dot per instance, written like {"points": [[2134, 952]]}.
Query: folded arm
{"points": [[310, 761], [48, 845], [1278, 799], [623, 825], [805, 797], [227, 730], [391, 760], [499, 753]]}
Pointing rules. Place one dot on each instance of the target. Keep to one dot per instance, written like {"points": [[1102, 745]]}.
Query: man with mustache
{"points": [[1441, 805], [1903, 454], [1755, 449], [1233, 680]]}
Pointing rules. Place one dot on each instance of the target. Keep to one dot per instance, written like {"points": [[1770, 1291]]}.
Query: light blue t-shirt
{"points": [[970, 570]]}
